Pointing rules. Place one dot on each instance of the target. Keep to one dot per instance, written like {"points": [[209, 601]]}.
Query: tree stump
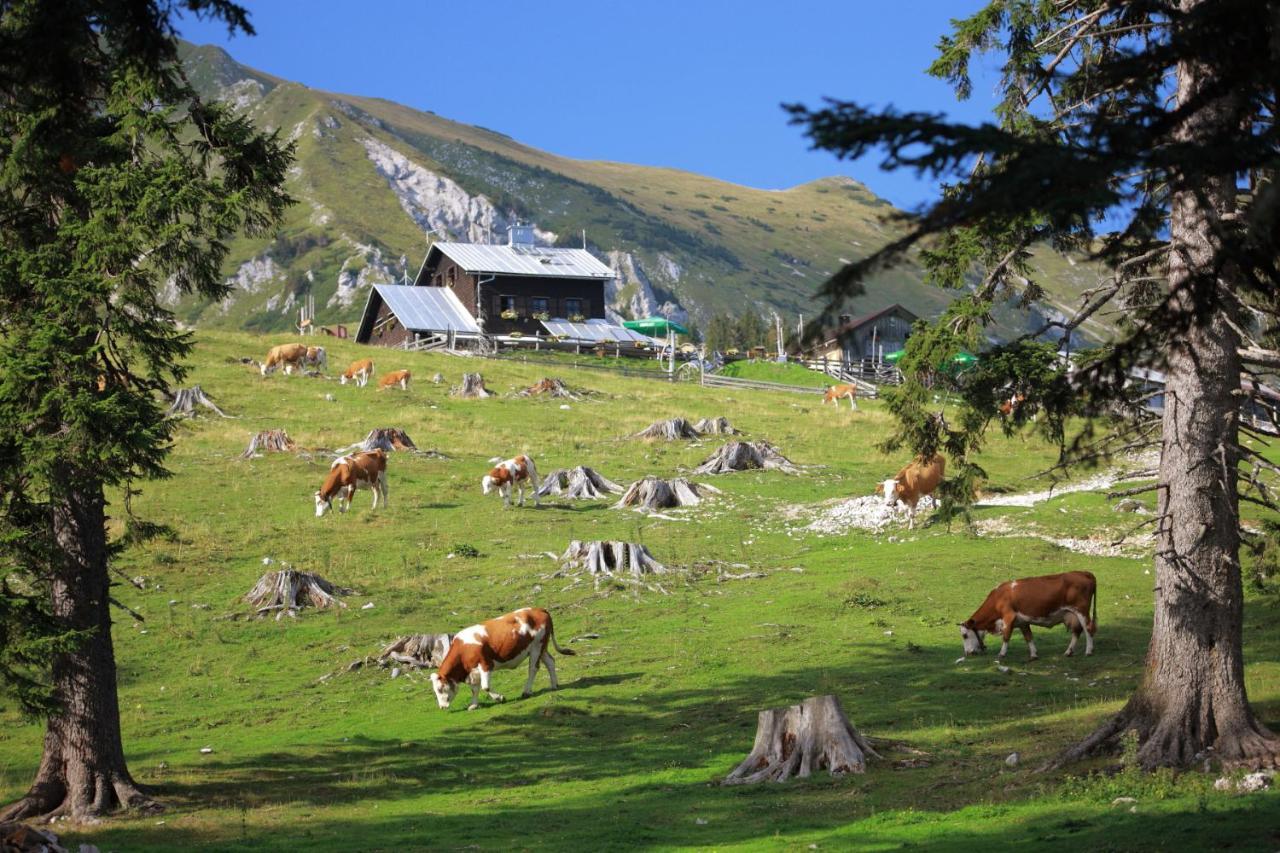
{"points": [[388, 439], [289, 590], [20, 838], [656, 493], [269, 441], [418, 650], [472, 387], [437, 379], [185, 401], [745, 456], [673, 429], [797, 740], [611, 558], [550, 388], [716, 426], [581, 483]]}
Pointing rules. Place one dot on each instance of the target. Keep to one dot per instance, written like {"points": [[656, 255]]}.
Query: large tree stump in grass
{"points": [[185, 401], [746, 456], [472, 387], [289, 590], [656, 493], [581, 483], [797, 740], [611, 558], [418, 650], [269, 441], [716, 426], [388, 439], [672, 429], [551, 388]]}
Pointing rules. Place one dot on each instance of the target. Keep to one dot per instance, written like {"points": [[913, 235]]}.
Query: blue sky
{"points": [[693, 85]]}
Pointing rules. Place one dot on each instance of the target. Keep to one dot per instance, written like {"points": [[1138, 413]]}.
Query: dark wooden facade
{"points": [[871, 336], [487, 296], [388, 331]]}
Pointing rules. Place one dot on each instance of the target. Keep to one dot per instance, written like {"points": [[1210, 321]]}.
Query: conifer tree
{"points": [[115, 180]]}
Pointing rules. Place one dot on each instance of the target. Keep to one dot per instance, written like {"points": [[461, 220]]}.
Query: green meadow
{"points": [[660, 703]]}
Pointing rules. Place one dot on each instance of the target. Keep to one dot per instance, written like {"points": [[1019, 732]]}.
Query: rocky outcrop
{"points": [[631, 294], [355, 278]]}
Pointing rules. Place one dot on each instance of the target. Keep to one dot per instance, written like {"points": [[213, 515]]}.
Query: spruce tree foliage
{"points": [[722, 333], [751, 330], [116, 181], [1141, 133]]}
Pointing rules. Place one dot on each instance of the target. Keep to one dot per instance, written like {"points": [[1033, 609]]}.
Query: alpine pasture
{"points": [[660, 702]]}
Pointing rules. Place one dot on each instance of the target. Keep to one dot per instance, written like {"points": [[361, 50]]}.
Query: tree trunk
{"points": [[1191, 703], [795, 741], [82, 771]]}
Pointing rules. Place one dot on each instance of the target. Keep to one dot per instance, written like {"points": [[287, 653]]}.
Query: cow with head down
{"points": [[365, 470], [1048, 600], [916, 480], [517, 472], [501, 643], [289, 356]]}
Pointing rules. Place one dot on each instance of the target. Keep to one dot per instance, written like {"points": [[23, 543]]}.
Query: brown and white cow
{"points": [[359, 373], [288, 356], [1045, 601], [916, 480], [836, 393], [517, 472], [394, 378], [365, 470], [499, 643], [316, 357]]}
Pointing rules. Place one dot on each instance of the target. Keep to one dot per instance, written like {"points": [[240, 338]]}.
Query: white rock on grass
{"points": [[1013, 759]]}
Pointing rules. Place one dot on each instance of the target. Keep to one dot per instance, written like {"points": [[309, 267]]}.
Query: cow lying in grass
{"points": [[1046, 601], [836, 393], [497, 644], [915, 481], [366, 470], [517, 472], [359, 373]]}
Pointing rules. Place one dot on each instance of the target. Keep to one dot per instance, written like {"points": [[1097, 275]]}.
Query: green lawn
{"points": [[662, 704], [768, 371]]}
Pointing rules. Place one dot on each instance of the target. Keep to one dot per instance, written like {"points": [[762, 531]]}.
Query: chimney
{"points": [[520, 235]]}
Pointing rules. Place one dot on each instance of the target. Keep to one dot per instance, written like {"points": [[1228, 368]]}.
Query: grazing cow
{"points": [[915, 481], [497, 644], [359, 373], [395, 377], [317, 358], [1008, 407], [289, 356], [1045, 601], [836, 393], [515, 471], [365, 470]]}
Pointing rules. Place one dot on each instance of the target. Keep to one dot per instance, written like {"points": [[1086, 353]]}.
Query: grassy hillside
{"points": [[680, 241], [658, 707]]}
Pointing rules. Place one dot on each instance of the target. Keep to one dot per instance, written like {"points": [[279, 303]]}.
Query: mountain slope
{"points": [[373, 178]]}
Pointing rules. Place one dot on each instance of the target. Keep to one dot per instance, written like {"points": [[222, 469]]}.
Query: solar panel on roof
{"points": [[595, 331], [427, 309]]}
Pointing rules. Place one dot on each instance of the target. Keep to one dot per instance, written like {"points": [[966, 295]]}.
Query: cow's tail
{"points": [[551, 641], [1093, 619]]}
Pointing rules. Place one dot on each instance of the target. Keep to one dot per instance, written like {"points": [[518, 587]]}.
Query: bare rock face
{"points": [[746, 456], [654, 493], [581, 483], [797, 740]]}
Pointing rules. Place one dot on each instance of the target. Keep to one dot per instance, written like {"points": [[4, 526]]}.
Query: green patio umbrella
{"points": [[655, 327], [960, 360]]}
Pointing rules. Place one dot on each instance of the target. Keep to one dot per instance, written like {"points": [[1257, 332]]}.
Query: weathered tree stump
{"points": [[388, 439], [437, 378], [745, 456], [185, 401], [716, 426], [269, 441], [656, 493], [418, 650], [611, 558], [289, 590], [581, 483], [797, 740], [673, 429], [551, 388], [19, 838], [472, 387]]}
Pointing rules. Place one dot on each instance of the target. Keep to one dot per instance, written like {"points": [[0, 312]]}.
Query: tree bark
{"points": [[797, 740], [82, 771], [1191, 703]]}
